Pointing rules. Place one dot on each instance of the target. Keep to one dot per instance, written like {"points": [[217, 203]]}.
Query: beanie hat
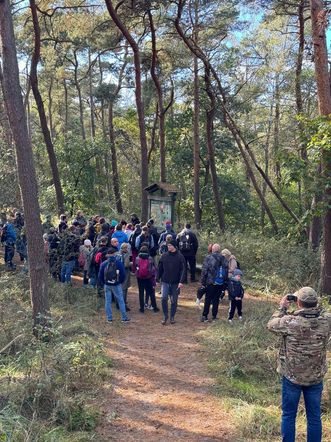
{"points": [[307, 294], [173, 243], [111, 250], [87, 243], [237, 272]]}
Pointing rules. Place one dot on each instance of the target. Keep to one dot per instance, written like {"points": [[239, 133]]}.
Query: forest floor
{"points": [[161, 388]]}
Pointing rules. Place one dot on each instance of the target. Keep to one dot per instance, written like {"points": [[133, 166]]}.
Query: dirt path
{"points": [[161, 389]]}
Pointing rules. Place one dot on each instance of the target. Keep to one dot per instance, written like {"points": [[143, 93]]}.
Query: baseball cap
{"points": [[307, 294]]}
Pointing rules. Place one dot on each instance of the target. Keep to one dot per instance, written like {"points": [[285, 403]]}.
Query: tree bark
{"points": [[116, 184], [276, 131], [79, 93], [210, 114], [139, 104], [66, 108], [319, 23], [92, 107], [26, 169], [41, 109]]}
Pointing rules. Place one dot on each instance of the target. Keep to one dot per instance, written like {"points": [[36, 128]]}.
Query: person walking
{"points": [[302, 359], [236, 295], [145, 272], [69, 251], [125, 257], [120, 235], [8, 238], [172, 274], [111, 276], [85, 251], [188, 244], [168, 231], [214, 276]]}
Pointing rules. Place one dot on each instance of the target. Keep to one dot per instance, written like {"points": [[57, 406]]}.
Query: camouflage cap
{"points": [[307, 294]]}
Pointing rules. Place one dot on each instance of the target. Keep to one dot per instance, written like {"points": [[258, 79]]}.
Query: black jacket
{"points": [[192, 240], [235, 289], [210, 267], [172, 268]]}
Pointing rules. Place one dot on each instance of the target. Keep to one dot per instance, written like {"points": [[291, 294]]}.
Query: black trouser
{"points": [[192, 262], [9, 253], [85, 278], [235, 304], [213, 293], [146, 285]]}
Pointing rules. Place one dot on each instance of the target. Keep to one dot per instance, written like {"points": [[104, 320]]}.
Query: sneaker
{"points": [[150, 307], [240, 318], [203, 319], [197, 302], [126, 320], [172, 321], [230, 321], [156, 309], [109, 321], [164, 321], [215, 319], [146, 306]]}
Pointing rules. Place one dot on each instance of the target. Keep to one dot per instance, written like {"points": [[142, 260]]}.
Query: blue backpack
{"points": [[220, 276]]}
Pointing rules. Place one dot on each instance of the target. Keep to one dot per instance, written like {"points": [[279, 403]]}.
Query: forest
{"points": [[229, 101]]}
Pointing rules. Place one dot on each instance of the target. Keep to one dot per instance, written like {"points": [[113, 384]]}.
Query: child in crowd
{"points": [[236, 294], [202, 290]]}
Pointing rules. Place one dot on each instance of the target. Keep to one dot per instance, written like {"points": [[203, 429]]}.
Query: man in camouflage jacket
{"points": [[68, 251], [302, 360]]}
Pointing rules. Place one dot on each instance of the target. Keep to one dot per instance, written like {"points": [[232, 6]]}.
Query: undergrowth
{"points": [[49, 390], [242, 359]]}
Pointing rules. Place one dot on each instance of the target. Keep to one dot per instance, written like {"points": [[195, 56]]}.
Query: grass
{"points": [[48, 390], [242, 359]]}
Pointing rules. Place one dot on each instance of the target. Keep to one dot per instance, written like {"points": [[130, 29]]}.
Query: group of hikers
{"points": [[109, 253]]}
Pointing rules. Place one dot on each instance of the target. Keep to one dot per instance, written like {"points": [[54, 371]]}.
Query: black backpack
{"points": [[111, 272], [185, 242]]}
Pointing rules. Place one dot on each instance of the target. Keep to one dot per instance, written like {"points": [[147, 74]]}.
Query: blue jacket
{"points": [[119, 266], [10, 236], [121, 236]]}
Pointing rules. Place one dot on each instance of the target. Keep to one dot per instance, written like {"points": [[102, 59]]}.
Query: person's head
{"points": [[168, 225], [102, 220], [111, 251], [124, 247], [63, 217], [72, 229], [168, 238], [114, 242], [187, 226], [209, 248], [123, 223], [144, 249], [113, 223], [129, 226], [75, 223], [79, 214], [215, 248], [172, 246], [306, 297], [226, 253], [237, 274], [48, 217], [150, 222], [45, 237], [145, 230], [103, 241], [52, 230], [118, 227], [87, 243]]}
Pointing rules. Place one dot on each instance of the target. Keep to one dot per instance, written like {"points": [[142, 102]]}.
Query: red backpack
{"points": [[144, 268]]}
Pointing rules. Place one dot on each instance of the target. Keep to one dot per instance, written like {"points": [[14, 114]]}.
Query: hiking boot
{"points": [[164, 321], [126, 320], [203, 319]]}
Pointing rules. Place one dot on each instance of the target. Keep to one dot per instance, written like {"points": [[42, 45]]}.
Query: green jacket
{"points": [[305, 334]]}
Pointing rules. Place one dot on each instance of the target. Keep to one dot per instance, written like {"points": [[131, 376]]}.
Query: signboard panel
{"points": [[160, 211]]}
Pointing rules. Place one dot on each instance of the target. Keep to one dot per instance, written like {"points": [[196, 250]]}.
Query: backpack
{"points": [[111, 273], [144, 270], [163, 247], [184, 242], [220, 275]]}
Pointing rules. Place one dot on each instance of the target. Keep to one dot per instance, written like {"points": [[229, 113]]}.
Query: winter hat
{"points": [[307, 294], [226, 252], [173, 243], [87, 243], [237, 272], [113, 223]]}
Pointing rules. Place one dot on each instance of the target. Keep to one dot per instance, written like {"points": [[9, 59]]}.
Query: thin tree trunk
{"points": [[266, 165], [50, 104], [116, 184], [196, 128], [66, 107], [79, 93], [319, 16], [210, 114], [26, 169], [92, 107], [139, 104], [41, 109], [153, 134], [276, 130], [161, 112]]}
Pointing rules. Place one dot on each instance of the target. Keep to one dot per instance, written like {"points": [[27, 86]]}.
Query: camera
{"points": [[291, 298]]}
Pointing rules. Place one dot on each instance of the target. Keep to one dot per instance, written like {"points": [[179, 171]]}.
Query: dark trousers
{"points": [[9, 253], [192, 263], [146, 285], [213, 294], [172, 291], [235, 304], [85, 278]]}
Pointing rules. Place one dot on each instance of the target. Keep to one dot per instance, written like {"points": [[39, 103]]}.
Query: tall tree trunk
{"points": [[276, 130], [319, 17], [266, 164], [196, 128], [160, 100], [41, 110], [210, 114], [50, 104], [26, 170], [66, 108], [139, 104], [92, 107], [79, 93], [116, 184]]}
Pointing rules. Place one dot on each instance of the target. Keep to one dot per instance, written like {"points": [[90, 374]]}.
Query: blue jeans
{"points": [[172, 291], [93, 281], [290, 400], [66, 271], [116, 290]]}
